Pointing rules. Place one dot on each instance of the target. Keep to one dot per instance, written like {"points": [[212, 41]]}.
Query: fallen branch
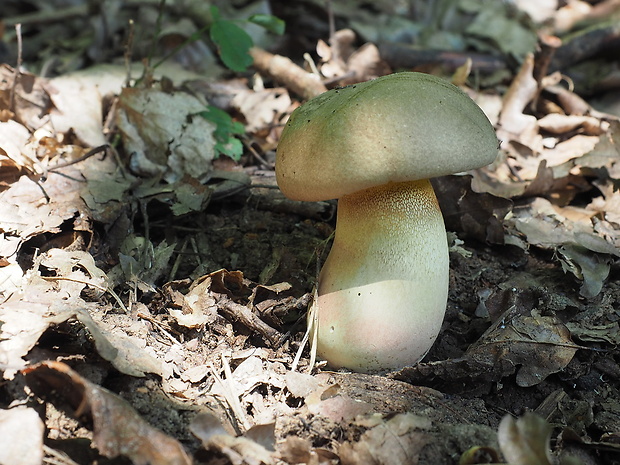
{"points": [[406, 56], [242, 314]]}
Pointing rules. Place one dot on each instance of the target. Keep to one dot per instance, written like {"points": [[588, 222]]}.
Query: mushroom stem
{"points": [[383, 288]]}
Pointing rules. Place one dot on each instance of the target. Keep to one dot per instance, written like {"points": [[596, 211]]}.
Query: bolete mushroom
{"points": [[383, 289]]}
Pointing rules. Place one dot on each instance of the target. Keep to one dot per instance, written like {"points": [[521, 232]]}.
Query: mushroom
{"points": [[383, 290]]}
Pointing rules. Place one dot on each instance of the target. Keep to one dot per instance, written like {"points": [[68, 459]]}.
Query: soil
{"points": [[464, 403]]}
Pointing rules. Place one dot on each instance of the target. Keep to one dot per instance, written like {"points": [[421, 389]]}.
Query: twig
{"points": [[48, 16], [405, 56], [255, 154], [18, 72], [232, 399], [87, 155], [164, 328], [283, 70], [129, 51], [310, 334], [586, 44], [548, 45], [245, 316], [107, 289]]}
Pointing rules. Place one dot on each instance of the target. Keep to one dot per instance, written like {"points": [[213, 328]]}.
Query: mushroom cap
{"points": [[396, 128]]}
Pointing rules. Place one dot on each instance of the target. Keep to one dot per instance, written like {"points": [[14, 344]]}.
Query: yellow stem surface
{"points": [[383, 288]]}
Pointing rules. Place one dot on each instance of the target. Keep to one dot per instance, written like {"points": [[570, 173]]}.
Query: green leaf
{"points": [[215, 13], [233, 44], [225, 130], [224, 123], [233, 149], [271, 23]]}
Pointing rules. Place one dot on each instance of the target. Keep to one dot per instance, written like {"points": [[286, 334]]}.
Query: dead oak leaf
{"points": [[608, 205], [117, 428], [397, 440], [165, 133], [261, 108], [540, 345], [240, 450]]}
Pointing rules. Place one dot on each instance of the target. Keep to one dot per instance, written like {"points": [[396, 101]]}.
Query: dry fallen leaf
{"points": [[117, 428], [525, 441], [592, 268], [541, 345], [477, 215], [328, 403], [125, 353], [26, 95], [261, 108], [165, 133], [24, 319], [608, 205], [240, 450], [51, 300], [21, 436], [78, 100], [195, 308], [397, 440], [513, 123]]}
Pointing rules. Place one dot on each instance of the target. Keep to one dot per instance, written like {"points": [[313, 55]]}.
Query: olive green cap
{"points": [[400, 127]]}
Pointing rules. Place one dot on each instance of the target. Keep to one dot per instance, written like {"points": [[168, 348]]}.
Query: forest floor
{"points": [[154, 282]]}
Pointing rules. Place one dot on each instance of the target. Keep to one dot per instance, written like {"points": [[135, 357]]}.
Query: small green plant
{"points": [[226, 132], [233, 43], [233, 46]]}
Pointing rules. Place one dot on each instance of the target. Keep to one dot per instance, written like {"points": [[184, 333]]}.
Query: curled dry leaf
{"points": [[343, 63], [14, 148], [525, 441], [399, 439], [195, 308], [478, 215], [77, 266], [299, 450], [607, 205], [240, 450], [522, 91], [117, 428], [262, 108], [589, 332], [592, 268], [558, 123]]}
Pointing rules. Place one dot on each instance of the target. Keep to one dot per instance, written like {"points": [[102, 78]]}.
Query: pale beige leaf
{"points": [[21, 436]]}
